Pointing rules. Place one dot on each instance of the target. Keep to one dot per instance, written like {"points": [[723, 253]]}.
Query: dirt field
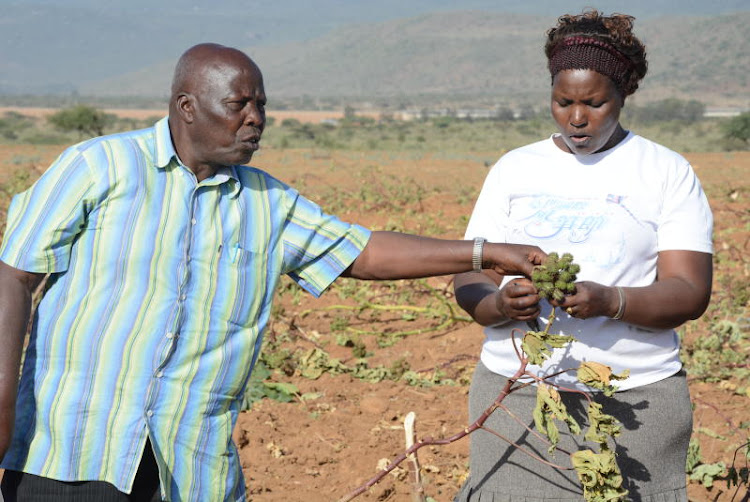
{"points": [[333, 435], [303, 116]]}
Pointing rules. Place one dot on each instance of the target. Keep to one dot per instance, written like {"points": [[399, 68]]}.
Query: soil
{"points": [[311, 116], [333, 436], [321, 449]]}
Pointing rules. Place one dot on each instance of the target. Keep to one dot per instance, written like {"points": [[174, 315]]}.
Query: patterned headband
{"points": [[588, 53]]}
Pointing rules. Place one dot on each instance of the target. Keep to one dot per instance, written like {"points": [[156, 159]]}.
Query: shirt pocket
{"points": [[240, 284]]}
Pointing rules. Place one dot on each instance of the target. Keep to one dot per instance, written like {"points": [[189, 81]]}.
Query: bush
{"points": [[667, 110], [86, 120], [736, 131]]}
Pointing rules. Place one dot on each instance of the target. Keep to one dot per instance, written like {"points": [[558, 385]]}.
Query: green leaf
{"points": [[694, 455], [706, 474]]}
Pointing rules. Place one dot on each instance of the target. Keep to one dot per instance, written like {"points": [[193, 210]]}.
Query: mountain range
{"points": [[324, 49]]}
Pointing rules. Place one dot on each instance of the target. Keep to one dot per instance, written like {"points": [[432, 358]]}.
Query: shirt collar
{"points": [[164, 150], [164, 154]]}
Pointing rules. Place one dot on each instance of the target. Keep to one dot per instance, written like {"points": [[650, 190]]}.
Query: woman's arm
{"points": [[680, 293], [480, 297]]}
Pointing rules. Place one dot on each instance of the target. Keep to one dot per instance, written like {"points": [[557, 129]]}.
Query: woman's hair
{"points": [[592, 41]]}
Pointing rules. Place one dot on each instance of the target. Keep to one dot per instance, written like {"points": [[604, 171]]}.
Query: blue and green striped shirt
{"points": [[159, 292]]}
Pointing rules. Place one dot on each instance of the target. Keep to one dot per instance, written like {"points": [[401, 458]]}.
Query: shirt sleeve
{"points": [[318, 247], [44, 220], [490, 215], [686, 222]]}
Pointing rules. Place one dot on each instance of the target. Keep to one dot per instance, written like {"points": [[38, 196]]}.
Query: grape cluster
{"points": [[556, 276]]}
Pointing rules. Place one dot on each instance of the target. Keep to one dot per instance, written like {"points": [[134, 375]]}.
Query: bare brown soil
{"points": [[310, 116], [333, 436]]}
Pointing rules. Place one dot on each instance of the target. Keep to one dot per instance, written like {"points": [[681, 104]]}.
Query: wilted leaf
{"points": [[601, 425], [599, 475], [538, 345], [549, 407], [598, 376]]}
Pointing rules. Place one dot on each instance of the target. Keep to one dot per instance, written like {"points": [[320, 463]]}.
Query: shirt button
{"points": [[150, 413], [160, 374], [194, 221], [183, 297], [170, 335]]}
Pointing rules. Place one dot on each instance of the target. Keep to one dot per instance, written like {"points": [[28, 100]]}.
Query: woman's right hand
{"points": [[518, 300]]}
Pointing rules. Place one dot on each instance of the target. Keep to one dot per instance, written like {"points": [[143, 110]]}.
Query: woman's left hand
{"points": [[590, 299]]}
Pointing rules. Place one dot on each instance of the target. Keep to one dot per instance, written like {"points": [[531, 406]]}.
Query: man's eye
{"points": [[596, 105], [236, 105]]}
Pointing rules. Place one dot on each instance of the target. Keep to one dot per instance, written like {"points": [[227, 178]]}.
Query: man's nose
{"points": [[255, 115]]}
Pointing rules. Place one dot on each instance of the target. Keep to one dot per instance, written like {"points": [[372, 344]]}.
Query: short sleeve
{"points": [[318, 247], [44, 220], [686, 222], [490, 216]]}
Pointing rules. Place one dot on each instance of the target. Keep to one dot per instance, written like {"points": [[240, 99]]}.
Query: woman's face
{"points": [[586, 106]]}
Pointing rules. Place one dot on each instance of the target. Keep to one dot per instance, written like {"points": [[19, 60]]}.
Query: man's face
{"points": [[229, 113], [586, 106]]}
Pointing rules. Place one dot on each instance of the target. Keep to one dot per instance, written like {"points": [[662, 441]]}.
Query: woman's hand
{"points": [[518, 300], [590, 299]]}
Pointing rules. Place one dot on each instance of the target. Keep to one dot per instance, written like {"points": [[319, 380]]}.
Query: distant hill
{"points": [[474, 54]]}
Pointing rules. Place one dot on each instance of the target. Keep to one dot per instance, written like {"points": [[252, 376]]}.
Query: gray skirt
{"points": [[651, 448]]}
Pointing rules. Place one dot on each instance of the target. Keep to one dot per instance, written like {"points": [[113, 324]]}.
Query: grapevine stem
{"points": [[428, 441]]}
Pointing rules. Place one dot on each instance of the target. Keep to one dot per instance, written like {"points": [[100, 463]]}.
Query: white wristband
{"points": [[476, 255]]}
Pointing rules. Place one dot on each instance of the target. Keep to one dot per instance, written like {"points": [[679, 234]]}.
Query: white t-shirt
{"points": [[614, 211]]}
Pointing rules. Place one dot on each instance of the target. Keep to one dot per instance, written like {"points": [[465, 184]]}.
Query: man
{"points": [[164, 251]]}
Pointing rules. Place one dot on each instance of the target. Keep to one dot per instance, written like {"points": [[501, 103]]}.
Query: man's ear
{"points": [[185, 104]]}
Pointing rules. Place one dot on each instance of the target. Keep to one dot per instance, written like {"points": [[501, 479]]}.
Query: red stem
{"points": [[428, 441]]}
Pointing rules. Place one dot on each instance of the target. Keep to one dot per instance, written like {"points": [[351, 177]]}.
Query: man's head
{"points": [[217, 108]]}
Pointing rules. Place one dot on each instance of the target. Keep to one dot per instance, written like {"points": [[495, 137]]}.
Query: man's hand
{"points": [[512, 259]]}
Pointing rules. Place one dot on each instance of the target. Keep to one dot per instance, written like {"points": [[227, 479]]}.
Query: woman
{"points": [[636, 220]]}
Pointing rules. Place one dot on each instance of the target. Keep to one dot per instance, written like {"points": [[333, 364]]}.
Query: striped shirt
{"points": [[153, 317]]}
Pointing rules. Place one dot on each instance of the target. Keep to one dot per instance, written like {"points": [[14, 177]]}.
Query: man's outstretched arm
{"points": [[392, 255], [16, 290]]}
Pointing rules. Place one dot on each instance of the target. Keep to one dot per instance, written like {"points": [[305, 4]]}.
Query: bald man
{"points": [[163, 250]]}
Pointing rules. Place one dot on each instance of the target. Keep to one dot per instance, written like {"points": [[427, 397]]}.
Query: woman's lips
{"points": [[579, 138]]}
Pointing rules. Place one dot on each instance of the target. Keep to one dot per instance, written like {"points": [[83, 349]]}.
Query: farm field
{"points": [[312, 116], [365, 354]]}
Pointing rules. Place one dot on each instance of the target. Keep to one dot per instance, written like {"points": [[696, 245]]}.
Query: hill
{"points": [[461, 55]]}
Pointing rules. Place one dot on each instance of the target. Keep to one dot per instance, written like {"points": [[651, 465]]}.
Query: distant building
{"points": [[723, 112]]}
